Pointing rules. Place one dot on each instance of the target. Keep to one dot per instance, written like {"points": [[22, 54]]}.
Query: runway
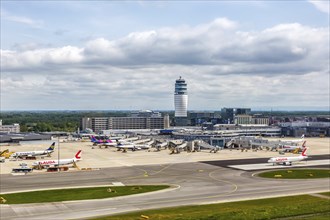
{"points": [[267, 166], [192, 183]]}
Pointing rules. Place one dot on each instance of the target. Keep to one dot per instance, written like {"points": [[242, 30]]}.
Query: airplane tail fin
{"points": [[52, 146], [304, 152], [78, 155], [93, 138]]}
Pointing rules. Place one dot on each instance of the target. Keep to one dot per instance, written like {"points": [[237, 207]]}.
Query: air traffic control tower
{"points": [[181, 102]]}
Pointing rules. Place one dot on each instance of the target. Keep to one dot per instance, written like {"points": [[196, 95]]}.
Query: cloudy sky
{"points": [[100, 55]]}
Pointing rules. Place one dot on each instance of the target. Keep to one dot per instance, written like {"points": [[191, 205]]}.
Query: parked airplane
{"points": [[106, 142], [290, 148], [35, 153], [126, 146], [288, 160], [47, 163], [143, 146], [302, 138]]}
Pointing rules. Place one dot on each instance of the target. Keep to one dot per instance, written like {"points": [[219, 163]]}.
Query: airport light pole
{"points": [[58, 153]]}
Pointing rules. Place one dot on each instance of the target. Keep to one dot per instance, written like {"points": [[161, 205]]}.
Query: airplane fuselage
{"points": [[290, 148], [286, 160], [54, 162], [31, 153]]}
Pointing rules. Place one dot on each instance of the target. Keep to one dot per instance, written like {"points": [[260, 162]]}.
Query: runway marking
{"points": [[146, 174], [18, 174], [235, 187], [265, 166], [225, 181], [101, 210], [118, 184], [149, 203], [319, 195]]}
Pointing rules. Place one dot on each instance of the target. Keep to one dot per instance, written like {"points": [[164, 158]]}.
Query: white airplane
{"points": [[288, 160], [302, 138], [142, 146], [290, 148], [47, 163], [127, 146], [35, 153]]}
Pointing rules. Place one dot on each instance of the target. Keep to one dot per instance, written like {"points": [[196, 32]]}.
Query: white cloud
{"points": [[217, 42], [21, 19], [40, 58], [321, 5], [223, 66]]}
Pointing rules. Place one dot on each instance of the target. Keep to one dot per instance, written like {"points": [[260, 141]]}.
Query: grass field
{"points": [[297, 174], [77, 194], [326, 193], [291, 207]]}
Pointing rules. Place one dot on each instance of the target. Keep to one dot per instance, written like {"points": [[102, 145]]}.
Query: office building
{"points": [[243, 119], [135, 123], [242, 111], [228, 114], [138, 120], [260, 120], [199, 118]]}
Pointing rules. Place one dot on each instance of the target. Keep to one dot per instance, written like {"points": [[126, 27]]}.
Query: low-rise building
{"points": [[309, 129], [14, 128], [243, 119], [138, 120]]}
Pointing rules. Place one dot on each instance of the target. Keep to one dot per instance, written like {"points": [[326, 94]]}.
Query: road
{"points": [[192, 183]]}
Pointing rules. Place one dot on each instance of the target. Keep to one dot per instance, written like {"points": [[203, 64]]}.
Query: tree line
{"points": [[69, 121], [44, 121]]}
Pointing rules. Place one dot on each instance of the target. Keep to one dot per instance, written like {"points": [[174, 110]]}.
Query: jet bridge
{"points": [[159, 146], [246, 142], [269, 145], [203, 145], [240, 142], [179, 148], [141, 141]]}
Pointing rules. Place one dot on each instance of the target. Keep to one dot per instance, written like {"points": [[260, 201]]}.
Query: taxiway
{"points": [[192, 183]]}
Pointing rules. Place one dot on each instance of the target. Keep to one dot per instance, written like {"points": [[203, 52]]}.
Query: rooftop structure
{"points": [[146, 113]]}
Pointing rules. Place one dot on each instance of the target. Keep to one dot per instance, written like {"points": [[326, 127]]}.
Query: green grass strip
{"points": [[297, 174], [77, 194], [275, 208], [325, 193], [322, 216]]}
